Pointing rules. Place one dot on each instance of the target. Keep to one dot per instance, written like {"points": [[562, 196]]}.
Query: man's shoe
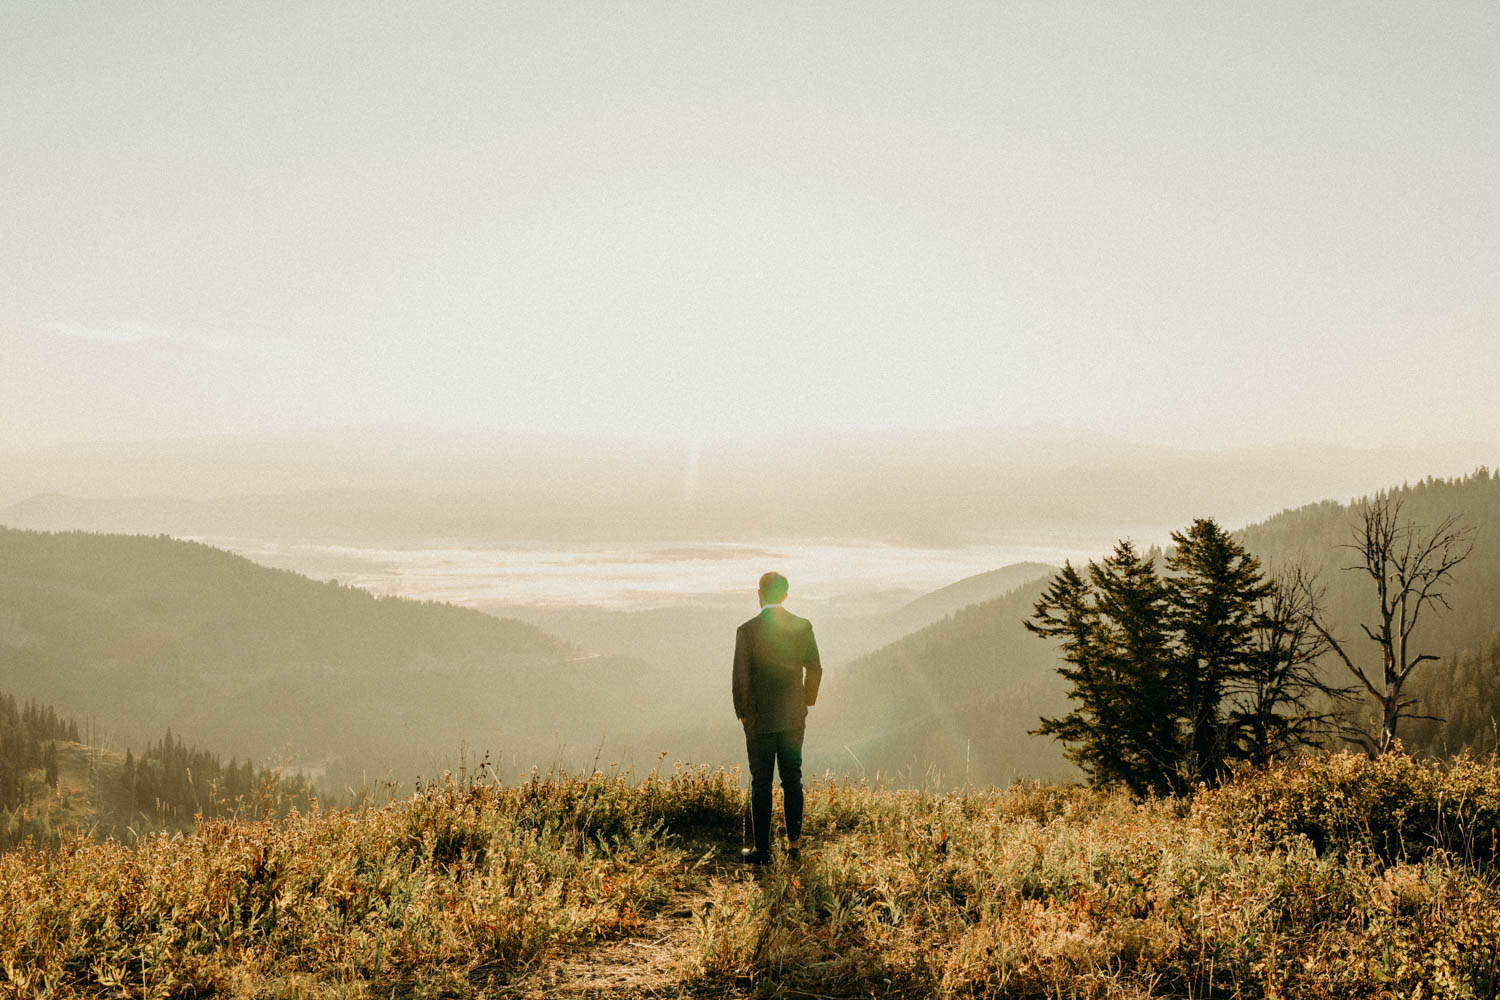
{"points": [[750, 855], [794, 854]]}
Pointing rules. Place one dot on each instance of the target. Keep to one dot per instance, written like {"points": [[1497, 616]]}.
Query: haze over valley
{"points": [[637, 563], [412, 416], [565, 656]]}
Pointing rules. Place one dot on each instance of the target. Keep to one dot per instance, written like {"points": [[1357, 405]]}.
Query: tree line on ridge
{"points": [[1177, 678]]}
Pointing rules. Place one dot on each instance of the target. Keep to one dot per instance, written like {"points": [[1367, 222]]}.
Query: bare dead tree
{"points": [[1283, 703], [1411, 568]]}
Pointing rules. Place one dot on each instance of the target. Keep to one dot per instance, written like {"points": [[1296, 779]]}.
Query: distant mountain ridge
{"points": [[974, 589], [954, 700], [918, 487], [142, 633], [249, 660], [311, 514], [958, 697]]}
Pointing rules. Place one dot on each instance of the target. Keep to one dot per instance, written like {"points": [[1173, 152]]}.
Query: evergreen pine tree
{"points": [[1122, 730], [1174, 679], [1215, 594]]}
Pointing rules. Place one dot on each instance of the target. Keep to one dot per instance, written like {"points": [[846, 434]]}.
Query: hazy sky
{"points": [[1192, 224]]}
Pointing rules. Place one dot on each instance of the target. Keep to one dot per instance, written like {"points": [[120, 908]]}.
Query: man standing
{"points": [[776, 676]]}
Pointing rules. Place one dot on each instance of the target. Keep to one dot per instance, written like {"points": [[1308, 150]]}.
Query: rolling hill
{"points": [[976, 589], [956, 698], [950, 701], [141, 633]]}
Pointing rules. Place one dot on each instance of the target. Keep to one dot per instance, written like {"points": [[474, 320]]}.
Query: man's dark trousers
{"points": [[776, 675], [784, 749]]}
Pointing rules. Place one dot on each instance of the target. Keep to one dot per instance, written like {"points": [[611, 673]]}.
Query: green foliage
{"points": [[1463, 693], [1392, 807], [957, 697], [1216, 593], [26, 736], [164, 788], [171, 780], [1115, 646], [1155, 664]]}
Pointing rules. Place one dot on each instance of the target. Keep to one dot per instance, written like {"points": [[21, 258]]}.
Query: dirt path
{"points": [[653, 963]]}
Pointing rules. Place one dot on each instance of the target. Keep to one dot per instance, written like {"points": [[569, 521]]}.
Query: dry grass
{"points": [[1041, 892], [592, 886], [454, 892]]}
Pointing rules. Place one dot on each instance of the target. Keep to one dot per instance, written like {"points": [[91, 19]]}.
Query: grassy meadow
{"points": [[1332, 877]]}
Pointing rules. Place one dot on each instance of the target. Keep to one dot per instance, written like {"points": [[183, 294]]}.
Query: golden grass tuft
{"points": [[1281, 884]]}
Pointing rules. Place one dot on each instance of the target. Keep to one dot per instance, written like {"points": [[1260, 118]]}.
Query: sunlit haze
{"points": [[1203, 225], [401, 405], [411, 413]]}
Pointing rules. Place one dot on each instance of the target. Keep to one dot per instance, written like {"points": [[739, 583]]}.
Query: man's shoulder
{"points": [[784, 619], [796, 622]]}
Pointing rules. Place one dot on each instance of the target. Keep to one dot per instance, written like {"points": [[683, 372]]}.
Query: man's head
{"points": [[773, 588]]}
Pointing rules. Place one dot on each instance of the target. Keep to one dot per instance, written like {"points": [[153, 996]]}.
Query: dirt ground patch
{"points": [[656, 963]]}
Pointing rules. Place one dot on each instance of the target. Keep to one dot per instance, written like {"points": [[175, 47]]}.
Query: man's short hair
{"points": [[773, 588]]}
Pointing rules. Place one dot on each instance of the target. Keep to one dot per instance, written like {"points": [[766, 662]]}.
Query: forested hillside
{"points": [[955, 699], [143, 633], [959, 696], [1316, 537], [52, 786], [971, 590], [28, 738], [1463, 692]]}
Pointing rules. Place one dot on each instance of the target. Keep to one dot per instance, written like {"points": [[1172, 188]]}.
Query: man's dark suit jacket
{"points": [[776, 671]]}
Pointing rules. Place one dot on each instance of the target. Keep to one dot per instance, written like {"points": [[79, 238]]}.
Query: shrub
{"points": [[1392, 806]]}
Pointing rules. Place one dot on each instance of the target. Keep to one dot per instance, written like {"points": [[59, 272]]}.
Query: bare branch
{"points": [[1311, 595], [1410, 567]]}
